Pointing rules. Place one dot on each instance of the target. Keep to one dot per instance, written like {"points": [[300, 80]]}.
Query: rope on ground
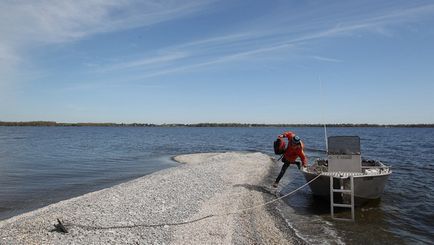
{"points": [[88, 227], [276, 199]]}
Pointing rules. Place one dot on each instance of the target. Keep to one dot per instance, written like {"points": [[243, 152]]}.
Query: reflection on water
{"points": [[371, 226], [42, 165]]}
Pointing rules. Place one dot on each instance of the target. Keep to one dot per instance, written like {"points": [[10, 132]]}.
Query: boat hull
{"points": [[365, 187]]}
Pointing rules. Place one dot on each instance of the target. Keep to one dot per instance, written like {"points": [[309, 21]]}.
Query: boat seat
{"points": [[344, 154], [345, 163]]}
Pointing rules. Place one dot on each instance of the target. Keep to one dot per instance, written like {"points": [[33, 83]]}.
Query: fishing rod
{"points": [[322, 113]]}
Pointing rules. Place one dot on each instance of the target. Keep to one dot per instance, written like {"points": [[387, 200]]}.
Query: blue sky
{"points": [[217, 61]]}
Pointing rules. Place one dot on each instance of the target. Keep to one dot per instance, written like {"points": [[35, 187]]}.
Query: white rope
{"points": [[274, 200], [88, 227]]}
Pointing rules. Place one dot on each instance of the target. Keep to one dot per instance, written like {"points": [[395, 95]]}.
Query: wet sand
{"points": [[158, 208]]}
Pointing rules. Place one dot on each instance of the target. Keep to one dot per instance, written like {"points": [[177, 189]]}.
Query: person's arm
{"points": [[303, 158], [302, 155]]}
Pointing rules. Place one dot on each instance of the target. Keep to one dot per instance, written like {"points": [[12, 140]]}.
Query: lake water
{"points": [[42, 165]]}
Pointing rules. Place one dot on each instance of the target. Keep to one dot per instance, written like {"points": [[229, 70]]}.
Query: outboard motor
{"points": [[279, 146]]}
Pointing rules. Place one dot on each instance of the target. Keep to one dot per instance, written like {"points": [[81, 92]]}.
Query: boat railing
{"points": [[342, 174]]}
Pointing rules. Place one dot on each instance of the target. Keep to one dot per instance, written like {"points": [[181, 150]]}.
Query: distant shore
{"points": [[198, 125], [158, 208]]}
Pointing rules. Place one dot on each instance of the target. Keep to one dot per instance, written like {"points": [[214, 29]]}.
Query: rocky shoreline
{"points": [[188, 204]]}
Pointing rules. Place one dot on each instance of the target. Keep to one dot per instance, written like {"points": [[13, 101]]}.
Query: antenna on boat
{"points": [[322, 113]]}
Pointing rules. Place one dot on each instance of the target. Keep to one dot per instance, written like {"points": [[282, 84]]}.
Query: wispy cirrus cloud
{"points": [[176, 67], [47, 21], [248, 43], [59, 21], [28, 24], [326, 59], [144, 62]]}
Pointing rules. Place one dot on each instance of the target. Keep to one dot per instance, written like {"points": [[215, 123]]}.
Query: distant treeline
{"points": [[56, 124]]}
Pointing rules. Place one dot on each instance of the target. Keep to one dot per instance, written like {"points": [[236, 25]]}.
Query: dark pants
{"points": [[285, 166]]}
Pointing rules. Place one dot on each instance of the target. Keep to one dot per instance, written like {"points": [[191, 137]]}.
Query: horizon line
{"points": [[211, 124]]}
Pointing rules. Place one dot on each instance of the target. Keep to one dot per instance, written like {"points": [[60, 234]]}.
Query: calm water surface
{"points": [[42, 165]]}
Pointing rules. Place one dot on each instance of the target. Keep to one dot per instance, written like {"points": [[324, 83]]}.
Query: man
{"points": [[292, 152]]}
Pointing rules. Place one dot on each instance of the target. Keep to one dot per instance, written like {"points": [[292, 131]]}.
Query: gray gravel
{"points": [[208, 183]]}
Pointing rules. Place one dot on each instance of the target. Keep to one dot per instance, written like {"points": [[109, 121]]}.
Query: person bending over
{"points": [[292, 152]]}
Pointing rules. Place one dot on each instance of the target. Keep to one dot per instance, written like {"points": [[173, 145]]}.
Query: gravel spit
{"points": [[206, 184]]}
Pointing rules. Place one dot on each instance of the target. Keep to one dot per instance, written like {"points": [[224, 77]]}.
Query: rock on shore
{"points": [[206, 184]]}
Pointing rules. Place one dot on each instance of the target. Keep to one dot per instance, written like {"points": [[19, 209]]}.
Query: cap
{"points": [[296, 140]]}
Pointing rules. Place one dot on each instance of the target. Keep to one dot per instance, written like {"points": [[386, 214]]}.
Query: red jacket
{"points": [[292, 152]]}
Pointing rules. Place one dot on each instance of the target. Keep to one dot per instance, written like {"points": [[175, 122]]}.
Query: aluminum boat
{"points": [[344, 161]]}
